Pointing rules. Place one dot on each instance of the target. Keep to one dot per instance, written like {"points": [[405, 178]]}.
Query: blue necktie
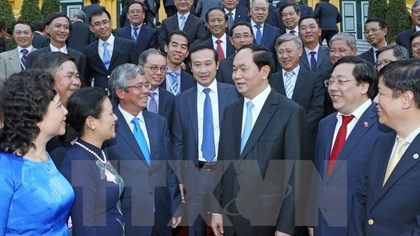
{"points": [[182, 22], [135, 34], [230, 20], [174, 83], [106, 58], [207, 147], [258, 37], [313, 61], [248, 125], [141, 140]]}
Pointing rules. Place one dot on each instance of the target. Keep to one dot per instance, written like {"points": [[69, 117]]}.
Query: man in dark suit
{"points": [[258, 133], [385, 202], [170, 8], [235, 12], [375, 32], [40, 37], [314, 57], [80, 34], [341, 156], [240, 34], [142, 35], [177, 80], [159, 101], [328, 16], [277, 16], [141, 151], [389, 54], [290, 15], [217, 24], [304, 87], [265, 34], [94, 5], [403, 38], [196, 132], [108, 51], [58, 27], [183, 20]]}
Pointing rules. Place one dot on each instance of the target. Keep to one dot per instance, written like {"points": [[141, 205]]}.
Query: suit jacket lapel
{"points": [[192, 109], [141, 34], [267, 111], [265, 35], [223, 98], [151, 127], [162, 102], [304, 60], [115, 51], [175, 22], [326, 152], [14, 61], [322, 53], [300, 83], [237, 126], [188, 22]]}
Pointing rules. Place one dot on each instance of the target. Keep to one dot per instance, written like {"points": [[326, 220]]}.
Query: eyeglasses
{"points": [[98, 24], [154, 69], [135, 11], [245, 36], [373, 30], [140, 87], [328, 83]]}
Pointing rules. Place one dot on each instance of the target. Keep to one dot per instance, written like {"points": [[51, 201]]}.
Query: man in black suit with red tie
{"points": [[258, 133]]}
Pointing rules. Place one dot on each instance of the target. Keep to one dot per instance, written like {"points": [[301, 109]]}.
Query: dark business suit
{"points": [[403, 39], [279, 134], [394, 208], [186, 141], [229, 47], [124, 52], [194, 28], [334, 192], [269, 37], [224, 73], [40, 41], [328, 16], [80, 60], [187, 82], [166, 105], [368, 56], [323, 62], [147, 37], [278, 22], [239, 16], [151, 195], [88, 11], [80, 36]]}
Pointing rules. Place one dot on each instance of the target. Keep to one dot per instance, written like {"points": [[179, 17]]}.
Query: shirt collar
{"points": [[19, 48], [54, 49], [410, 138], [308, 51], [259, 100], [296, 70], [212, 87], [223, 38], [110, 40], [253, 24], [233, 12], [186, 15], [128, 117], [359, 111]]}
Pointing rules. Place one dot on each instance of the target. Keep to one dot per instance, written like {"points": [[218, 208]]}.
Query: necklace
{"points": [[93, 153], [45, 161]]}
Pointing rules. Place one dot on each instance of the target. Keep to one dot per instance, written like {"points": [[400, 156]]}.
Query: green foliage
{"points": [[30, 11], [397, 18], [50, 6], [377, 8], [6, 13]]}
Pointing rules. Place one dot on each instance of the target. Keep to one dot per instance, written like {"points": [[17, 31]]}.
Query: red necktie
{"points": [[339, 142], [219, 49]]}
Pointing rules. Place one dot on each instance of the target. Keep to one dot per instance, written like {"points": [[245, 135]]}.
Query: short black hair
{"points": [[288, 4], [381, 22], [260, 56], [239, 23], [54, 16], [177, 32], [143, 6], [309, 17], [98, 12], [23, 22], [39, 25], [203, 47], [216, 8]]}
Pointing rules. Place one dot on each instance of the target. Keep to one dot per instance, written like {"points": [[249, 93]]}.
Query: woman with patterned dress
{"points": [[97, 185], [35, 199]]}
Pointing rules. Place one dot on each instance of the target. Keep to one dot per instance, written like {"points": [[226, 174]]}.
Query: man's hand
{"points": [[217, 224], [176, 221], [278, 233], [181, 189]]}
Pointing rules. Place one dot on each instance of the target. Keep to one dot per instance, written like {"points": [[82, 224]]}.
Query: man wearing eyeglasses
{"points": [[415, 44], [142, 35], [344, 143], [159, 101], [389, 54], [108, 51], [375, 33], [240, 34]]}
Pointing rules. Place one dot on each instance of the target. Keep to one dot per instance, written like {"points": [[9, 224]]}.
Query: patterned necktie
{"points": [[174, 85], [258, 36], [207, 147], [340, 139], [248, 125], [153, 103], [288, 85], [230, 20], [141, 140], [292, 32], [313, 61], [182, 22], [219, 50], [24, 58], [135, 34], [106, 58], [396, 157]]}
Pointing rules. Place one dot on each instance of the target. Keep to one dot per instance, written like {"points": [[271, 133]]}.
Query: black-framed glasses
{"points": [[140, 87], [154, 69], [373, 30]]}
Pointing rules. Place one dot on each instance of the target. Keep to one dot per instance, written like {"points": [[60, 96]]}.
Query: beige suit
{"points": [[10, 63]]}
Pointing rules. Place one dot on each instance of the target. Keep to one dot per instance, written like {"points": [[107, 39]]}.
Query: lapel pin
{"points": [[416, 156], [365, 124]]}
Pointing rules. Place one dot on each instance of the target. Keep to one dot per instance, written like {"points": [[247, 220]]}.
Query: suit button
{"points": [[108, 76], [150, 193], [371, 222]]}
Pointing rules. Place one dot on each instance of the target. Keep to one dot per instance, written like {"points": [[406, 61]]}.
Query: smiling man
{"points": [[290, 15], [15, 60], [375, 32], [402, 38]]}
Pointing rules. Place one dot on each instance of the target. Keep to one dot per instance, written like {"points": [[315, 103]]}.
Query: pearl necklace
{"points": [[93, 153], [46, 161]]}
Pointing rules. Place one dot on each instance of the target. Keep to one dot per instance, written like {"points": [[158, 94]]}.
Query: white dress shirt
{"points": [[63, 49], [258, 102], [110, 46], [223, 44], [293, 78], [128, 118]]}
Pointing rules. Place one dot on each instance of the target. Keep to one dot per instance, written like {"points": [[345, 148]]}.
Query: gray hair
{"points": [[288, 37], [144, 55], [80, 15], [268, 4], [51, 62], [415, 4], [348, 38], [120, 77], [401, 53]]}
